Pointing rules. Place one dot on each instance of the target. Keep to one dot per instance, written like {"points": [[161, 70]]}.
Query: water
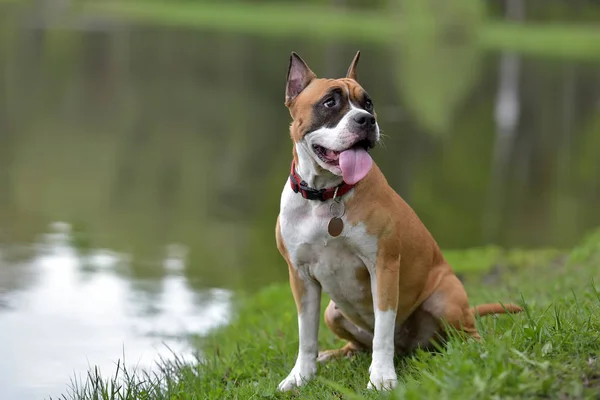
{"points": [[72, 312], [140, 172]]}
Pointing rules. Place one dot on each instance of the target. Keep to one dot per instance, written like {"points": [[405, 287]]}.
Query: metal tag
{"points": [[335, 226], [337, 211]]}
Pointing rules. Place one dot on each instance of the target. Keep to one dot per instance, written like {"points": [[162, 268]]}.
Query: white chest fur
{"points": [[332, 261]]}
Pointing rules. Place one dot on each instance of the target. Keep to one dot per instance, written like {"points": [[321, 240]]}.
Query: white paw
{"points": [[382, 379], [299, 375]]}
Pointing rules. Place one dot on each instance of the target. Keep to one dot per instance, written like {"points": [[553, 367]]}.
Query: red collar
{"points": [[298, 185]]}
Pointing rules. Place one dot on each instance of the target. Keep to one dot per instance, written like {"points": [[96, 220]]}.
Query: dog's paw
{"points": [[382, 379], [347, 351], [328, 355], [298, 377], [325, 356]]}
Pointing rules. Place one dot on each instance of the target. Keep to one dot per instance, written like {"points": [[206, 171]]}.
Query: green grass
{"points": [[318, 22], [550, 351]]}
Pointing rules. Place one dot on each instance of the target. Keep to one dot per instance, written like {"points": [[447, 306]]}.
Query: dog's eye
{"points": [[329, 102], [368, 105]]}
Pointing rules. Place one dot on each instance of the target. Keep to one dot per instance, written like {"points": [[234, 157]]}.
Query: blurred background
{"points": [[144, 146]]}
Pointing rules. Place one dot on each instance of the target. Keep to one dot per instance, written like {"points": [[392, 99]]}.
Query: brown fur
{"points": [[496, 308], [412, 275]]}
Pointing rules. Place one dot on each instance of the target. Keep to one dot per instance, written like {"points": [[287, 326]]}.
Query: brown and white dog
{"points": [[391, 289]]}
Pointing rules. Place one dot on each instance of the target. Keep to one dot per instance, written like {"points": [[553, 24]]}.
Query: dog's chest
{"points": [[340, 264]]}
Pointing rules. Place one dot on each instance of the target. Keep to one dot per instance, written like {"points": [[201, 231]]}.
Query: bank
{"points": [[552, 350]]}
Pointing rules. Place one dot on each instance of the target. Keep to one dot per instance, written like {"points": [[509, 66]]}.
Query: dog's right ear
{"points": [[298, 78]]}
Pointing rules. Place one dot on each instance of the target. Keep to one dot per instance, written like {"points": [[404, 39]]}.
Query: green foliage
{"points": [[438, 57], [552, 350], [483, 260], [550, 40], [378, 26]]}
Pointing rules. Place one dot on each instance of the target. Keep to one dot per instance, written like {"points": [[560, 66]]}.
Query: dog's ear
{"points": [[298, 78], [352, 70]]}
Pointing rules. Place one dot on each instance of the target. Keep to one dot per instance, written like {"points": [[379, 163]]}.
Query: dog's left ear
{"points": [[352, 70]]}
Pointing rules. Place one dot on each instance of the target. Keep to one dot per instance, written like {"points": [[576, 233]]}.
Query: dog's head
{"points": [[334, 123]]}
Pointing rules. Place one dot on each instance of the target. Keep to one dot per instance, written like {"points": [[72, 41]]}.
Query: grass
{"points": [[550, 351], [318, 22]]}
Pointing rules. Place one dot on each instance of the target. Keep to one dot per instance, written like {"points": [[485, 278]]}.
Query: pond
{"points": [[141, 168]]}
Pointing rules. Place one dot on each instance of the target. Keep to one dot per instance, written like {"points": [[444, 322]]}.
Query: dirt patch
{"points": [[591, 379], [494, 275], [497, 271]]}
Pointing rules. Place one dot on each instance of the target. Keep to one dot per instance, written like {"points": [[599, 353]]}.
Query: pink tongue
{"points": [[355, 164]]}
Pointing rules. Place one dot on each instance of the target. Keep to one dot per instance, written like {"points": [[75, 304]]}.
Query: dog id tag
{"points": [[336, 225]]}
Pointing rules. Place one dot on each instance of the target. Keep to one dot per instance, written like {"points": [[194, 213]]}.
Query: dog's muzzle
{"points": [[365, 125]]}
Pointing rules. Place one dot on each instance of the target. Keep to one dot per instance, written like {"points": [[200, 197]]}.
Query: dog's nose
{"points": [[364, 120]]}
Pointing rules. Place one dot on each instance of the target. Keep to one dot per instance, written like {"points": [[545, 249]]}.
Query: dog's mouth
{"points": [[332, 157]]}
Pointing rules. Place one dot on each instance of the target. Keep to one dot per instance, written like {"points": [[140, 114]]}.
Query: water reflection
{"points": [[170, 144], [79, 310]]}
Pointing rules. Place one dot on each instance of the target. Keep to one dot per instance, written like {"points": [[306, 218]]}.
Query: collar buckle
{"points": [[310, 193]]}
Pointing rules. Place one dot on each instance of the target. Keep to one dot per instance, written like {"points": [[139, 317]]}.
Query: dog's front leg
{"points": [[307, 294], [384, 287]]}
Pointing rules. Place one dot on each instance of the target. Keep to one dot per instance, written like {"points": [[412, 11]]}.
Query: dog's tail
{"points": [[495, 308]]}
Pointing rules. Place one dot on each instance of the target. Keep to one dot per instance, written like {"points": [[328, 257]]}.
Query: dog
{"points": [[342, 229]]}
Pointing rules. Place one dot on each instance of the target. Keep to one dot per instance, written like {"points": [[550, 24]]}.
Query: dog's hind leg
{"points": [[446, 307], [358, 338], [449, 304]]}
